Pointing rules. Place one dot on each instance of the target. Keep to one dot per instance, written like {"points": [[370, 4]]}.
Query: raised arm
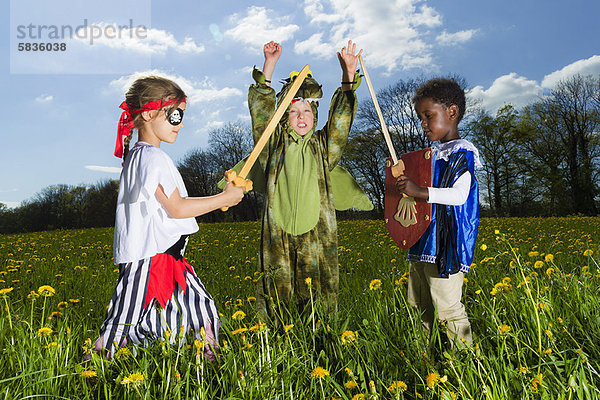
{"points": [[348, 61], [342, 107], [272, 51]]}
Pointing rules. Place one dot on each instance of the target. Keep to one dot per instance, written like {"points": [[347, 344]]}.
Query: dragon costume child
{"points": [[303, 187]]}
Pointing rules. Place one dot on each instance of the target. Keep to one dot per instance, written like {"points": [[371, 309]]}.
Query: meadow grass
{"points": [[531, 295]]}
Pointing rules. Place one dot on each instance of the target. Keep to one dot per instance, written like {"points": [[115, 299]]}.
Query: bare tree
{"points": [[229, 144]]}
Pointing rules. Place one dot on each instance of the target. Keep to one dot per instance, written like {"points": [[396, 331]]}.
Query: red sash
{"points": [[165, 271]]}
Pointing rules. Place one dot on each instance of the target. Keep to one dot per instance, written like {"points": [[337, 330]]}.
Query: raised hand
{"points": [[348, 60], [348, 57], [272, 51]]}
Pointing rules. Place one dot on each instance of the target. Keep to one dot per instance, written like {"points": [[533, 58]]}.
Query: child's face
{"points": [[159, 129], [301, 117], [438, 121]]}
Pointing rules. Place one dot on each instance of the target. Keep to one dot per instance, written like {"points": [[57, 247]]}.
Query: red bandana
{"points": [[126, 123]]}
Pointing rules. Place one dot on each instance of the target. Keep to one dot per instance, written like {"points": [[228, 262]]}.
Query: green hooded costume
{"points": [[301, 179]]}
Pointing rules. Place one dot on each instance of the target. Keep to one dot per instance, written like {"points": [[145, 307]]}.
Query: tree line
{"points": [[541, 160]]}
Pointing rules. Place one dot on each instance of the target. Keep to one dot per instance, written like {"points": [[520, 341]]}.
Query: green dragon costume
{"points": [[303, 186]]}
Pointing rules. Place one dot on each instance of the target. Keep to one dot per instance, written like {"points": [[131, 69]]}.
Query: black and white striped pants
{"points": [[127, 317]]}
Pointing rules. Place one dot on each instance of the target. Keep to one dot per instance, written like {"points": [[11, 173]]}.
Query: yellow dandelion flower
{"points": [[348, 336], [538, 264], [549, 271], [251, 299], [319, 373], [432, 379], [46, 291], [257, 326], [238, 315], [358, 396], [548, 333], [123, 353], [62, 305], [496, 232], [588, 252], [5, 291], [88, 374], [247, 346], [549, 258], [504, 329], [308, 281], [132, 379], [375, 284], [348, 371], [351, 385], [52, 344], [560, 320], [537, 380], [239, 330], [74, 301], [478, 291], [397, 387], [44, 331], [55, 314], [533, 253], [288, 327], [483, 247], [548, 351], [523, 370]]}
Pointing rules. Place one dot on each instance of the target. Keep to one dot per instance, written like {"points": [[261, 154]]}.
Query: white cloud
{"points": [[149, 41], [589, 66], [258, 27], [100, 168], [447, 39], [11, 204], [44, 98], [511, 88], [314, 45], [197, 92], [391, 32], [208, 127]]}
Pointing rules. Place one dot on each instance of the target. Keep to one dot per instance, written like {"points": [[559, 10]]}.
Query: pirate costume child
{"points": [[158, 294]]}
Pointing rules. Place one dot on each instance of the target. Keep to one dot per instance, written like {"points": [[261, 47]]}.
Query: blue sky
{"points": [[61, 108]]}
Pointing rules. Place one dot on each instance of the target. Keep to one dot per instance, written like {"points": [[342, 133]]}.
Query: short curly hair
{"points": [[443, 91]]}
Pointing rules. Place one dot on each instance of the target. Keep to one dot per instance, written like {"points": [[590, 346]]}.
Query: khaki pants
{"points": [[429, 293]]}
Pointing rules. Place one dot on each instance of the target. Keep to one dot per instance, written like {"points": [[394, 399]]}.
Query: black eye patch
{"points": [[175, 117]]}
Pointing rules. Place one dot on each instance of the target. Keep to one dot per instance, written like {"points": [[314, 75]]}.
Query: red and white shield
{"points": [[407, 218]]}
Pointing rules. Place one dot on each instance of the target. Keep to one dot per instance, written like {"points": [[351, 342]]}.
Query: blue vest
{"points": [[450, 238]]}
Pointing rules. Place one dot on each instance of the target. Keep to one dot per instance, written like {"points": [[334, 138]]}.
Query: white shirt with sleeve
{"points": [[459, 192], [143, 227], [452, 196]]}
